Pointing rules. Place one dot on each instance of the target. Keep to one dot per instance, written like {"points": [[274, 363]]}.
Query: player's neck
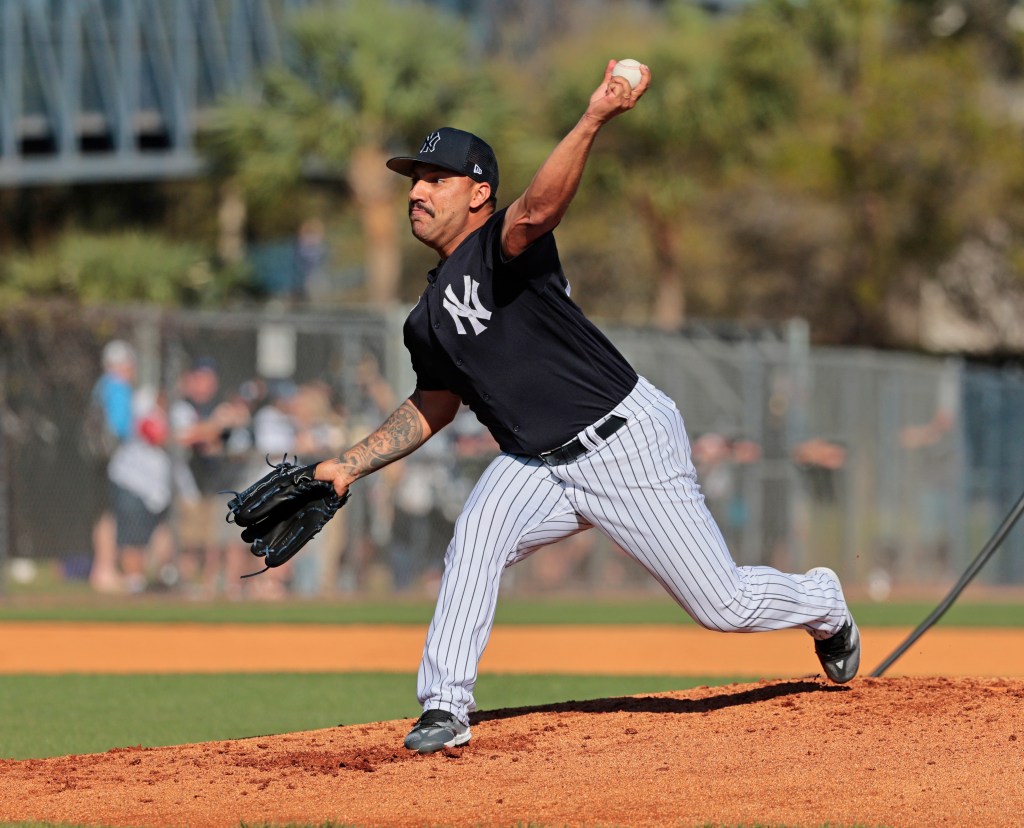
{"points": [[474, 222]]}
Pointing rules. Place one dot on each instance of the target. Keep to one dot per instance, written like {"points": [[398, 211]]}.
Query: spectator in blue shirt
{"points": [[112, 398]]}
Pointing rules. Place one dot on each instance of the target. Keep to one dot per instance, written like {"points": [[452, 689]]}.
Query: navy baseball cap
{"points": [[455, 150]]}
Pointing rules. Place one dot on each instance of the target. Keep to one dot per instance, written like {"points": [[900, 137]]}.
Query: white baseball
{"points": [[629, 70]]}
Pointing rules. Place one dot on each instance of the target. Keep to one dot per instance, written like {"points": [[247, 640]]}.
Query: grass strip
{"points": [[75, 713], [653, 609]]}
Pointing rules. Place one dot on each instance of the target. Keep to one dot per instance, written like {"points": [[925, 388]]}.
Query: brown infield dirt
{"points": [[910, 750]]}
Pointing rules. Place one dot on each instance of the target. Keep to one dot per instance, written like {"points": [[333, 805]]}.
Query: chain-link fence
{"points": [[893, 468]]}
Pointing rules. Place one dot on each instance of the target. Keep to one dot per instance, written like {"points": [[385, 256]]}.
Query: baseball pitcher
{"points": [[585, 442]]}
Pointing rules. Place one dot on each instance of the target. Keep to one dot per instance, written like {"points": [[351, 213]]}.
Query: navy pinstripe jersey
{"points": [[505, 337]]}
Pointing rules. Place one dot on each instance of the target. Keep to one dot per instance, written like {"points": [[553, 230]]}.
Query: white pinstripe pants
{"points": [[641, 490]]}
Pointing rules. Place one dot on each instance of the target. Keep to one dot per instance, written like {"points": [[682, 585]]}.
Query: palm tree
{"points": [[365, 79]]}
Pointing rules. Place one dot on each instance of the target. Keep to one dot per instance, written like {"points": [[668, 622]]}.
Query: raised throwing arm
{"points": [[541, 207]]}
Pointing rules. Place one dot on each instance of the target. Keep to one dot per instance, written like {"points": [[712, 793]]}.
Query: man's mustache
{"points": [[419, 205]]}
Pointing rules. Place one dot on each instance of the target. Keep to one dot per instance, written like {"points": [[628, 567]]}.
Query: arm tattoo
{"points": [[399, 435]]}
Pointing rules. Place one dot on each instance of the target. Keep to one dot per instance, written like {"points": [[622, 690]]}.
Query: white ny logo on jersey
{"points": [[469, 308]]}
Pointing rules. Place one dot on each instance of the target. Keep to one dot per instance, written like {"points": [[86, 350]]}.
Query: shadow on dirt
{"points": [[657, 704]]}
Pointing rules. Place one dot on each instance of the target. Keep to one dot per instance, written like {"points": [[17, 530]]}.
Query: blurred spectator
{"points": [[429, 492], [815, 510], [216, 433], [107, 424], [369, 511], [820, 453], [273, 426], [319, 425], [141, 487], [425, 475], [320, 431], [712, 456], [310, 261], [474, 448], [931, 453], [721, 464], [819, 460], [931, 433]]}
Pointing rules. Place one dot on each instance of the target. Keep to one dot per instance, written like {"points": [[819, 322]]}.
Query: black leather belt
{"points": [[574, 449]]}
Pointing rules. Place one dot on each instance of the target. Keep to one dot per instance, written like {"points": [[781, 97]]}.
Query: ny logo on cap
{"points": [[430, 142]]}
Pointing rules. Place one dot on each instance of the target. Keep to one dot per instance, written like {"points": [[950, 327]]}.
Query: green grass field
{"points": [[653, 609]]}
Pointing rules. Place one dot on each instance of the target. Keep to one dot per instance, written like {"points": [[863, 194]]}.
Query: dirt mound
{"points": [[899, 752]]}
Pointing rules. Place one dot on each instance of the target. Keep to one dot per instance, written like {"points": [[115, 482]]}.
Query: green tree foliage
{"points": [[897, 157], [720, 92], [125, 267], [820, 158], [795, 159]]}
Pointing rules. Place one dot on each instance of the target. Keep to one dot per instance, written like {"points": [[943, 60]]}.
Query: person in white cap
{"points": [[108, 423]]}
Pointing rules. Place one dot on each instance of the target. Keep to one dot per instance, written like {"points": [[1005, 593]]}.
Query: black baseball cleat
{"points": [[436, 729], [840, 654]]}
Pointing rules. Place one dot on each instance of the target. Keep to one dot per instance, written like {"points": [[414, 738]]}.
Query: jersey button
{"points": [[437, 324], [515, 428], [458, 362], [486, 397]]}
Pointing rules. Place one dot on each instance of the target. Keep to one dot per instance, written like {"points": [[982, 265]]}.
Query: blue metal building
{"points": [[96, 90]]}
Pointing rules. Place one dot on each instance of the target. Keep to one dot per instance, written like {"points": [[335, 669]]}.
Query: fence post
{"points": [[754, 391], [798, 367]]}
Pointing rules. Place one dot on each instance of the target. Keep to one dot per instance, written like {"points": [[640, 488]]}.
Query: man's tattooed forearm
{"points": [[399, 435]]}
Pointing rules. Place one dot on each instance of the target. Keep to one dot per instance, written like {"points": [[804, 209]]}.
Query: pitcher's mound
{"points": [[898, 752]]}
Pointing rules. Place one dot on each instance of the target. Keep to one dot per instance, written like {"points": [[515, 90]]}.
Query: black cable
{"points": [[968, 576]]}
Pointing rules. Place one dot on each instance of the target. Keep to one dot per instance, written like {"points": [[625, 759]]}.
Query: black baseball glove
{"points": [[282, 511]]}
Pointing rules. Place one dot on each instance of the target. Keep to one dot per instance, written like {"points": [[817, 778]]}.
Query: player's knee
{"points": [[728, 612]]}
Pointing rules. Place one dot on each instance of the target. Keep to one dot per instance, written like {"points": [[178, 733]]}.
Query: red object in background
{"points": [[154, 429]]}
